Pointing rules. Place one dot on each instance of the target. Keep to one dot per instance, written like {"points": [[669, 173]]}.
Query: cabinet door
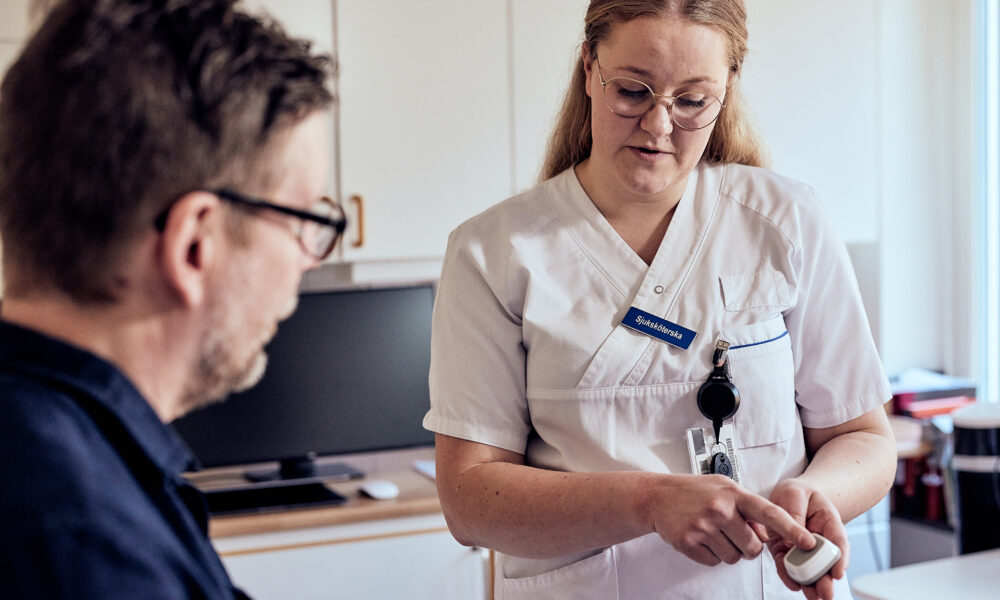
{"points": [[310, 20], [424, 119], [416, 566], [8, 54], [13, 20], [13, 31], [870, 540]]}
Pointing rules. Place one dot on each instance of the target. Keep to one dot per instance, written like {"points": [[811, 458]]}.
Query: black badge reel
{"points": [[718, 400]]}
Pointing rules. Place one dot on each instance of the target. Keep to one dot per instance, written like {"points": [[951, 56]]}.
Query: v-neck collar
{"points": [[649, 284]]}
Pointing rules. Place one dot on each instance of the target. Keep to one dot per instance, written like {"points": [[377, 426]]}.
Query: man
{"points": [[160, 166]]}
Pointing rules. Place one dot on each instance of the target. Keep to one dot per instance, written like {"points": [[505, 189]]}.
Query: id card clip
{"points": [[710, 455]]}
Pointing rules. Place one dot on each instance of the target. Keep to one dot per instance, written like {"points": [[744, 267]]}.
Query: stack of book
{"points": [[922, 394], [924, 487]]}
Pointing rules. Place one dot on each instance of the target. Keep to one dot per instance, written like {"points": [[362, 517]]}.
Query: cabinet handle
{"points": [[359, 210]]}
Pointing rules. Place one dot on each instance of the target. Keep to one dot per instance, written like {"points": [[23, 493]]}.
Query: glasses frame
{"points": [[669, 99], [339, 223]]}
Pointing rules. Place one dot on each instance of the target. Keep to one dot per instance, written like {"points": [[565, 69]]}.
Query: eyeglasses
{"points": [[632, 98], [317, 232]]}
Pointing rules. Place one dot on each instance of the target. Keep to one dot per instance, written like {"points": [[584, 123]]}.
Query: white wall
{"points": [[926, 95], [542, 58], [965, 299], [869, 103], [916, 168], [811, 80]]}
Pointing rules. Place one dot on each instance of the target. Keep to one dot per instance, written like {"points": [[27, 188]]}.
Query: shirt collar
{"points": [[98, 386]]}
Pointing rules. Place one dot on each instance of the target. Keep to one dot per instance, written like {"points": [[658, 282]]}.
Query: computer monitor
{"points": [[347, 373]]}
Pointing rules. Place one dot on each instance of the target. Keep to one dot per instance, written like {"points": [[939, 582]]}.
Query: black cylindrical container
{"points": [[977, 468]]}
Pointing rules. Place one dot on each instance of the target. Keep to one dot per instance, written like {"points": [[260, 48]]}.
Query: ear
{"points": [[588, 66], [189, 245]]}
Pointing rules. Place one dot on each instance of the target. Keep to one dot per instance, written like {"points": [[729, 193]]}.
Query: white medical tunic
{"points": [[529, 355]]}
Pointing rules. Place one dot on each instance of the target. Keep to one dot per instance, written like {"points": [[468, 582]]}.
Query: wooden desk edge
{"points": [[355, 511], [417, 496]]}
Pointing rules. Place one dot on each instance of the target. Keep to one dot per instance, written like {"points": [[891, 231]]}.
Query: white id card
{"points": [[702, 446]]}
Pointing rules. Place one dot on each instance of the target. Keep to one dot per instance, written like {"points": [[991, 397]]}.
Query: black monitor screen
{"points": [[347, 372]]}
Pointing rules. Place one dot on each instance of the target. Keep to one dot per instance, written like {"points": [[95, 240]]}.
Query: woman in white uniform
{"points": [[576, 323]]}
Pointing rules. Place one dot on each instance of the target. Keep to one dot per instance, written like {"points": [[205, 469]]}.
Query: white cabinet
{"points": [[8, 53], [444, 109], [868, 535], [424, 119], [309, 19], [13, 31], [410, 557], [312, 20], [13, 20]]}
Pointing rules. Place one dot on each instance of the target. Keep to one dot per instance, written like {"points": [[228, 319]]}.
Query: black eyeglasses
{"points": [[318, 231]]}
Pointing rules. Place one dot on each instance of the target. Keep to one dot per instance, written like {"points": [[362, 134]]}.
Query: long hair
{"points": [[733, 140]]}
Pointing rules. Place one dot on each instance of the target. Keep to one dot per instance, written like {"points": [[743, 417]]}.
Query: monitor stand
{"points": [[304, 467]]}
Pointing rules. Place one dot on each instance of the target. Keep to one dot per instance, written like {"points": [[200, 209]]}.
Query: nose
{"points": [[657, 121]]}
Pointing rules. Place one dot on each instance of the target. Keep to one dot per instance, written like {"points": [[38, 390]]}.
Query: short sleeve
{"points": [[477, 374], [838, 373]]}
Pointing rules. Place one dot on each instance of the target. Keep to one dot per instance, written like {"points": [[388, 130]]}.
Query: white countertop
{"points": [[969, 577]]}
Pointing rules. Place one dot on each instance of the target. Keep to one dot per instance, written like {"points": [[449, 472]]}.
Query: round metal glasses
{"points": [[631, 98]]}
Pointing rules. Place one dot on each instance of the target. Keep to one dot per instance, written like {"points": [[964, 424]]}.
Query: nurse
{"points": [[576, 324]]}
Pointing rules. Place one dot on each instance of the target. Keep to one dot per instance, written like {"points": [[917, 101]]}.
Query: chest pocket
{"points": [[765, 289], [762, 368]]}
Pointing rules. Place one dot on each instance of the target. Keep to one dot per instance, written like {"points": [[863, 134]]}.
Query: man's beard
{"points": [[229, 362]]}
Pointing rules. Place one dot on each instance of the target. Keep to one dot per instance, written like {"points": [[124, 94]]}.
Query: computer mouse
{"points": [[379, 489]]}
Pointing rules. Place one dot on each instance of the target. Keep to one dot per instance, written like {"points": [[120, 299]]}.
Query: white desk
{"points": [[969, 577]]}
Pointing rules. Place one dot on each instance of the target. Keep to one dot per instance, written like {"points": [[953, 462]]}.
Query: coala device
{"points": [[807, 566]]}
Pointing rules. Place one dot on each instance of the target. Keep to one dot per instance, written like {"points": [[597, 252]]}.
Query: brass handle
{"points": [[359, 210]]}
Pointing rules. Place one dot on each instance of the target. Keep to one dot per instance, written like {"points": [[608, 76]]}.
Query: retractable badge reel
{"points": [[718, 400]]}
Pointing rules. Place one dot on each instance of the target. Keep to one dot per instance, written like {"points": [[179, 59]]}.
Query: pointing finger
{"points": [[755, 508], [760, 530]]}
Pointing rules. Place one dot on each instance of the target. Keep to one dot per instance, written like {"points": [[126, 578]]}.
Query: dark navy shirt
{"points": [[92, 502]]}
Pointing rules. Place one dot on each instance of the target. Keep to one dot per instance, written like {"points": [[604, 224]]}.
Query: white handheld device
{"points": [[807, 566]]}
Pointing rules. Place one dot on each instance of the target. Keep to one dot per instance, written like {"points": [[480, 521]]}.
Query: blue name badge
{"points": [[661, 329]]}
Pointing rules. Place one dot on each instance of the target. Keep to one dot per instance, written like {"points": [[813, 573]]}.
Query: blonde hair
{"points": [[734, 139]]}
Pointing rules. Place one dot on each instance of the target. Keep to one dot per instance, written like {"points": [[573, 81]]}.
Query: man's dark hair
{"points": [[116, 108]]}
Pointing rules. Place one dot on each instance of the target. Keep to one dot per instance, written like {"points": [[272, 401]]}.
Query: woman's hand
{"points": [[812, 508], [711, 519]]}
